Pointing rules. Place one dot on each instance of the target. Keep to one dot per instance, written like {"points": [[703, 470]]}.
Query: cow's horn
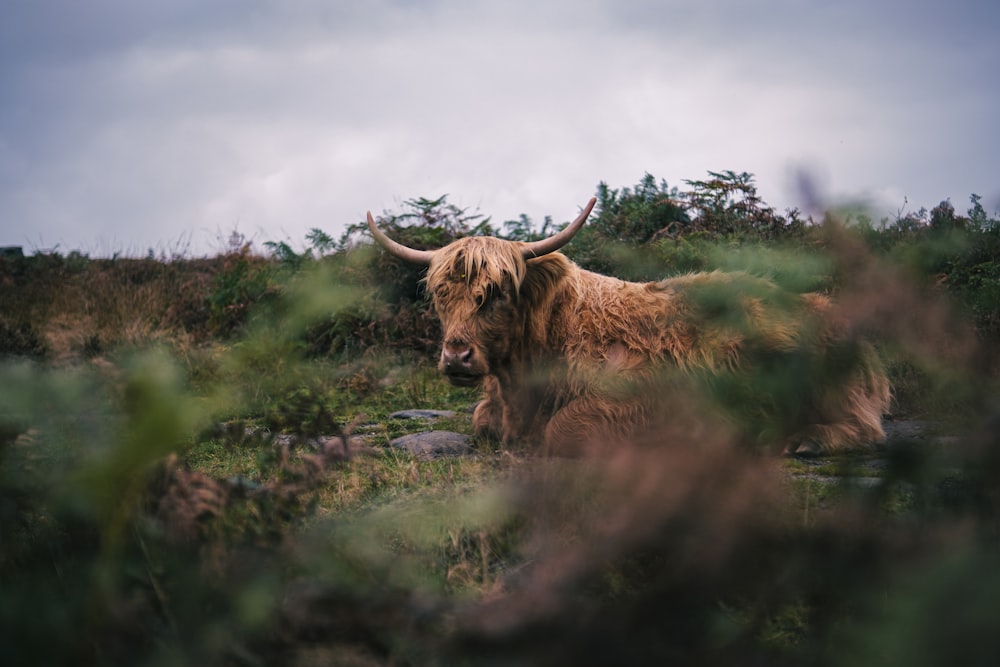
{"points": [[405, 253], [556, 241]]}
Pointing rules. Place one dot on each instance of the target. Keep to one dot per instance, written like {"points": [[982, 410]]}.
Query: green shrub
{"points": [[20, 339], [959, 254], [243, 282]]}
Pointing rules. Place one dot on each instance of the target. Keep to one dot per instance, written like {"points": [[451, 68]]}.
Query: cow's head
{"points": [[476, 285]]}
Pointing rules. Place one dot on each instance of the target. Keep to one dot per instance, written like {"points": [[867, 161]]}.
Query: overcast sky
{"points": [[127, 125]]}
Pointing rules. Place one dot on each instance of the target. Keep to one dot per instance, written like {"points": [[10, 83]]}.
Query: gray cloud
{"points": [[130, 125]]}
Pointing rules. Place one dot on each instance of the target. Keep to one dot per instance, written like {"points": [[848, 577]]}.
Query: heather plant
{"points": [[117, 546]]}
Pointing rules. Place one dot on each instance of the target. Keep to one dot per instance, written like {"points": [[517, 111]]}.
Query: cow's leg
{"points": [[849, 416], [588, 423], [487, 419]]}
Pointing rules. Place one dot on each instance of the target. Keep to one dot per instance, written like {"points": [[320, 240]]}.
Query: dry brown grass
{"points": [[74, 307]]}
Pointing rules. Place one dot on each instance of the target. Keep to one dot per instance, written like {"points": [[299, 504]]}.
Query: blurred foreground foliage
{"points": [[194, 470]]}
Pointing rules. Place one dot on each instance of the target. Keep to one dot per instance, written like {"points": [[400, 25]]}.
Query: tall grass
{"points": [[67, 307]]}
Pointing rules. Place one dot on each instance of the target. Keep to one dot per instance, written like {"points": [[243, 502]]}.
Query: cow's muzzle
{"points": [[460, 364], [463, 379]]}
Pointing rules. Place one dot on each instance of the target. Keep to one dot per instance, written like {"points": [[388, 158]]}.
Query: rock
{"points": [[422, 414], [910, 430], [433, 444]]}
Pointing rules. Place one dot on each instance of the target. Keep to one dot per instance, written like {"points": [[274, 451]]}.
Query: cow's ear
{"points": [[543, 278]]}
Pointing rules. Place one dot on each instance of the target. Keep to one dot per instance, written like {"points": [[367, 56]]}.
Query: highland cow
{"points": [[568, 357]]}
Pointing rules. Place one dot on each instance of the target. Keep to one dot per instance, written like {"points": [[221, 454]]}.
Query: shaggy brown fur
{"points": [[567, 356]]}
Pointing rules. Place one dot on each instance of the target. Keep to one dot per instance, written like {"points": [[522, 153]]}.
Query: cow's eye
{"points": [[490, 300]]}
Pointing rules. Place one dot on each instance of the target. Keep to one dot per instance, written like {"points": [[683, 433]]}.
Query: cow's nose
{"points": [[456, 356]]}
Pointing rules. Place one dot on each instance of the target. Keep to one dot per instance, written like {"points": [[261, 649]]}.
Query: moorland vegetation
{"points": [[195, 464]]}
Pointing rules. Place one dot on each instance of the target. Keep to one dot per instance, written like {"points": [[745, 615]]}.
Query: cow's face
{"points": [[474, 284]]}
